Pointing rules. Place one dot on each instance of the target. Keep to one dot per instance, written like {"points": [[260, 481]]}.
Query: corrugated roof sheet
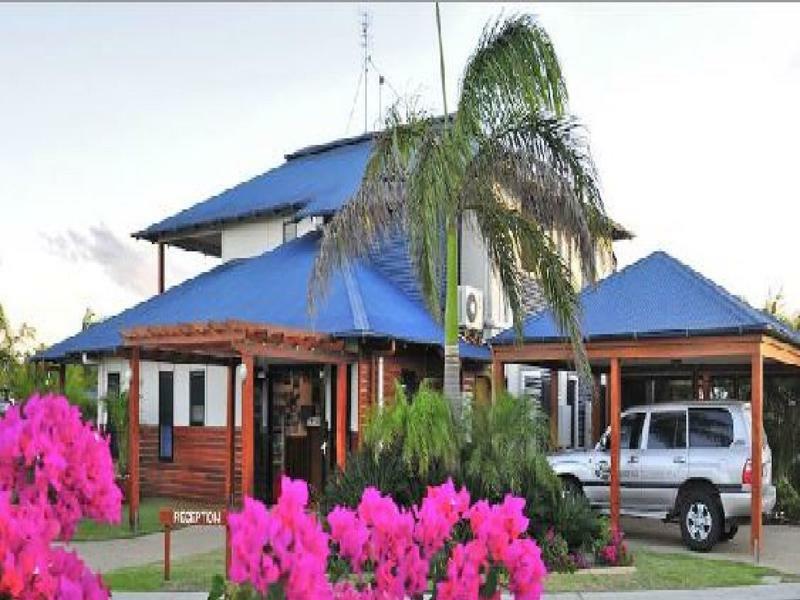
{"points": [[315, 181], [271, 289], [656, 296]]}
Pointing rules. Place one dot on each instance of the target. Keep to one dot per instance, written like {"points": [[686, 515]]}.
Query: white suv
{"points": [[688, 461]]}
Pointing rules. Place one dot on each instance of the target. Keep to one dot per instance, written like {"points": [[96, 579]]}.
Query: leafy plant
{"points": [[555, 552], [384, 470], [117, 407], [423, 430], [508, 440], [788, 500]]}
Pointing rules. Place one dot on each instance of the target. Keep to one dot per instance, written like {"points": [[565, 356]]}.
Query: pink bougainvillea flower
{"points": [[54, 471], [285, 546]]}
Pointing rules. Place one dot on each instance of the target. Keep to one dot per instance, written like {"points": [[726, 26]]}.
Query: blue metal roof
{"points": [[656, 296], [272, 289], [315, 181]]}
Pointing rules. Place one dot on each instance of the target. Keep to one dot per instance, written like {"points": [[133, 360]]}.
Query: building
{"points": [[235, 381]]}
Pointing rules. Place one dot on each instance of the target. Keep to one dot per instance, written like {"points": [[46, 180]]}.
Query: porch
{"points": [[276, 369]]}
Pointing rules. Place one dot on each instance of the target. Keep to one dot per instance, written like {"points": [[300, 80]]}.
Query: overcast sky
{"points": [[115, 116]]}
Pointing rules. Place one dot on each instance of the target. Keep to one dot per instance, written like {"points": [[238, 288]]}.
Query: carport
{"points": [[658, 315]]}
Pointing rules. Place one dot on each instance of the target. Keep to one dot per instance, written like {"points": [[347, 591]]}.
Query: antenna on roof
{"points": [[365, 46]]}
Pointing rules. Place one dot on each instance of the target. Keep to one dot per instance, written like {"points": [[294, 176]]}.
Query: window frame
{"points": [[162, 456], [672, 411], [109, 375], [192, 400], [698, 409]]}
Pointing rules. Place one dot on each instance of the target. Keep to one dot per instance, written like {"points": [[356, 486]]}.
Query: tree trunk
{"points": [[452, 361]]}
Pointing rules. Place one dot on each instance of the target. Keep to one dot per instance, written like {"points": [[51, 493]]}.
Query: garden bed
{"points": [[652, 571]]}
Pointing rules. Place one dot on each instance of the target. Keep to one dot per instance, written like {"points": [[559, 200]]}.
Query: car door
{"points": [[664, 462], [631, 426]]}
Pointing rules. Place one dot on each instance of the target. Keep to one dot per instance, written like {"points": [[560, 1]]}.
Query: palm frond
{"points": [[514, 67], [520, 247], [378, 206], [544, 164]]}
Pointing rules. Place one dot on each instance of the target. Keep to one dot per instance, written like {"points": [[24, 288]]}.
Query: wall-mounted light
{"points": [[241, 371]]}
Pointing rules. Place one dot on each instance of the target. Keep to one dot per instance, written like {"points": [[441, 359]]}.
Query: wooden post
{"points": [[248, 432], [230, 438], [615, 386], [133, 440], [341, 415], [62, 378], [167, 530], [757, 428], [160, 267], [498, 379], [554, 408]]}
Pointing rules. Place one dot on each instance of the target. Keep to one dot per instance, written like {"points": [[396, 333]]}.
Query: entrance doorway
{"points": [[292, 435]]}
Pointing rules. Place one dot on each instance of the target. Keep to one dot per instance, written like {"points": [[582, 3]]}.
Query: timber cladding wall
{"points": [[197, 471]]}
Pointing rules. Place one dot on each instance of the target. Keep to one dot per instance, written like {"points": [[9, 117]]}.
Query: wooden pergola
{"points": [[760, 352], [229, 343]]}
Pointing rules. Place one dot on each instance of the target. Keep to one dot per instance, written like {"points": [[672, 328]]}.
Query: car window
{"points": [[630, 433], [667, 430], [710, 428]]}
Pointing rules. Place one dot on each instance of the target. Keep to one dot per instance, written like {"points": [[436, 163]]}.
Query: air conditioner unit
{"points": [[470, 307]]}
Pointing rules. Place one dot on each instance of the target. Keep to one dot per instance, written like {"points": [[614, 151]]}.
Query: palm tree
{"points": [[509, 159]]}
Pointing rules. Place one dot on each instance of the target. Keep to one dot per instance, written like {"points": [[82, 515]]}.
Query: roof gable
{"points": [[316, 181], [656, 296]]}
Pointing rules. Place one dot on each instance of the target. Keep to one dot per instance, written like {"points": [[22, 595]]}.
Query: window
{"points": [[289, 230], [112, 385], [165, 413], [667, 431], [630, 435], [197, 398], [710, 428]]}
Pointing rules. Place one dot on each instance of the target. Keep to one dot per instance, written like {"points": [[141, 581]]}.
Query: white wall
{"points": [[216, 390], [243, 240], [476, 271]]}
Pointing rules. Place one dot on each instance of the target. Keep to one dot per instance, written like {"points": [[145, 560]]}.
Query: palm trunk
{"points": [[452, 360]]}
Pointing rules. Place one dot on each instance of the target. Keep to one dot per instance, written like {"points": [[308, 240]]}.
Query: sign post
{"points": [[170, 518]]}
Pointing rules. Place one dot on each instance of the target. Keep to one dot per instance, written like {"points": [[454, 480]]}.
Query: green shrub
{"points": [[117, 407], [555, 552], [411, 445], [423, 430], [788, 500], [508, 441], [383, 469]]}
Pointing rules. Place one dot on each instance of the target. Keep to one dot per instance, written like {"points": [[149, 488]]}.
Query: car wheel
{"points": [[702, 520], [571, 487]]}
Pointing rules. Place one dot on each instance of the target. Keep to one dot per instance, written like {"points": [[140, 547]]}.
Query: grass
{"points": [[148, 522], [653, 571], [190, 574]]}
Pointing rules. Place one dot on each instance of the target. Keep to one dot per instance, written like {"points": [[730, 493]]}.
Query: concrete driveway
{"points": [[781, 550]]}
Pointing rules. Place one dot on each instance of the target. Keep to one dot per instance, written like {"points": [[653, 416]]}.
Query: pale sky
{"points": [[115, 116]]}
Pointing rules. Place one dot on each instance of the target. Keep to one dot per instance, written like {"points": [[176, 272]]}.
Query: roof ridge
{"points": [[356, 300], [332, 145]]}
